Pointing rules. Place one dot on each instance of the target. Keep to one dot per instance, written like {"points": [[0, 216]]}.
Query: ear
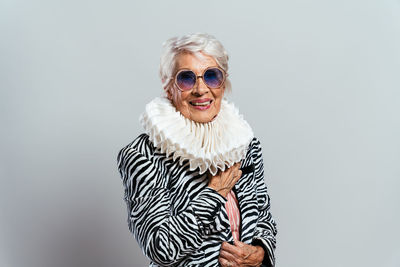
{"points": [[169, 94]]}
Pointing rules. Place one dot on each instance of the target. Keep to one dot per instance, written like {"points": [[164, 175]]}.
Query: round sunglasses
{"points": [[213, 77]]}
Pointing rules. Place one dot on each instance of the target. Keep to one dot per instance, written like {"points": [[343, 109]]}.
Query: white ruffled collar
{"points": [[208, 146]]}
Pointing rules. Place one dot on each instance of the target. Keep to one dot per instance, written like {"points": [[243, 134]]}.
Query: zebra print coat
{"points": [[178, 220]]}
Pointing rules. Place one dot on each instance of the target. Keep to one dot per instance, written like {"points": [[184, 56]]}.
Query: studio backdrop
{"points": [[318, 81]]}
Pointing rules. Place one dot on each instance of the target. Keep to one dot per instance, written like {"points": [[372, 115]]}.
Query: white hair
{"points": [[191, 43]]}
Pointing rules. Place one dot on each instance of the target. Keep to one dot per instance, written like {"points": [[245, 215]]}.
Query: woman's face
{"points": [[185, 101]]}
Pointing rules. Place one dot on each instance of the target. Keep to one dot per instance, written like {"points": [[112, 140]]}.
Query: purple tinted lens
{"points": [[186, 80], [213, 77]]}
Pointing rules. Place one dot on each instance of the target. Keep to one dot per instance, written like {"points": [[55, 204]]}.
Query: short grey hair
{"points": [[191, 43]]}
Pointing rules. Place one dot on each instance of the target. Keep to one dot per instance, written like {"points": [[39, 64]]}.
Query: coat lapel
{"points": [[246, 193]]}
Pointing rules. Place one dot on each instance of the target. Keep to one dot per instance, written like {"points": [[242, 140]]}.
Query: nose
{"points": [[200, 88]]}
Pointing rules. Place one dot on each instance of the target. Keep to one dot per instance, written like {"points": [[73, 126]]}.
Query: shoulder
{"points": [[253, 155], [254, 150], [141, 145], [255, 143]]}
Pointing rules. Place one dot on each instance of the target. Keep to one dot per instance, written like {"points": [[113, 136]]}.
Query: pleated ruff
{"points": [[211, 146]]}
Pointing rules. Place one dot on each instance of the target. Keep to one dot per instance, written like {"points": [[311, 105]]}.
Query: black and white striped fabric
{"points": [[178, 220]]}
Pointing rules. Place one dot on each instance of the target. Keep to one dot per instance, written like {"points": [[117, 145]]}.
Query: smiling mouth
{"points": [[201, 104]]}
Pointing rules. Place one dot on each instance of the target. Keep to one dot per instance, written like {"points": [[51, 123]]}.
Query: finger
{"points": [[233, 167], [224, 262], [239, 243], [234, 250], [236, 166], [229, 175], [226, 255], [235, 178], [239, 174], [246, 249], [225, 245]]}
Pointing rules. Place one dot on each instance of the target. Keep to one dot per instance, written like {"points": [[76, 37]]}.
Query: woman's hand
{"points": [[240, 254], [224, 181]]}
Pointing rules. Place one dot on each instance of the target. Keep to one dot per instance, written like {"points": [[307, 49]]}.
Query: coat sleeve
{"points": [[266, 227], [163, 238]]}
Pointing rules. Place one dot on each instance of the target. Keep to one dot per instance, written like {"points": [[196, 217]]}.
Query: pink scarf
{"points": [[232, 208]]}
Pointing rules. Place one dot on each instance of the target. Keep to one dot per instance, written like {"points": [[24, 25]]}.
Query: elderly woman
{"points": [[194, 182]]}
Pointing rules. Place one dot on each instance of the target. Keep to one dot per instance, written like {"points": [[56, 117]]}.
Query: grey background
{"points": [[317, 80]]}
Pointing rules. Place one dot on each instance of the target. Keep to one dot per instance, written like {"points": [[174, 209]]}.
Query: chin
{"points": [[198, 115], [203, 118]]}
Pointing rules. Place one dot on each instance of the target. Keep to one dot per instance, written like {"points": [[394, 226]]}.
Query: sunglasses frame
{"points": [[224, 74]]}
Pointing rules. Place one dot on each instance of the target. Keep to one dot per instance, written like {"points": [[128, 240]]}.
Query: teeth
{"points": [[201, 104]]}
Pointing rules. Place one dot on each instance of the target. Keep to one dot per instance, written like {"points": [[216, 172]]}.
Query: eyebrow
{"points": [[210, 67]]}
